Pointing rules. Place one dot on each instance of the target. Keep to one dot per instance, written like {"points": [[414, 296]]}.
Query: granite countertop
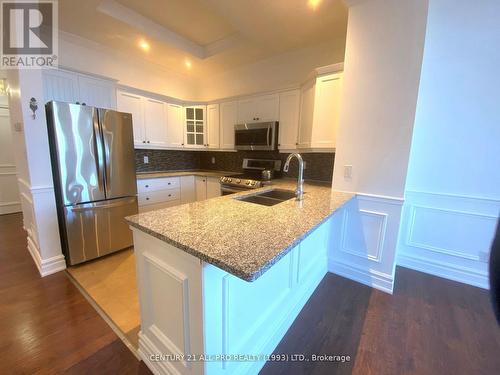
{"points": [[187, 172], [242, 238]]}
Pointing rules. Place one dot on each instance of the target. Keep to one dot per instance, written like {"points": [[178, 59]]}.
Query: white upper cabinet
{"points": [[149, 118], [228, 118], [195, 126], [213, 126], [72, 87], [96, 92], [289, 119], [132, 103], [258, 109], [175, 126], [319, 112], [155, 121]]}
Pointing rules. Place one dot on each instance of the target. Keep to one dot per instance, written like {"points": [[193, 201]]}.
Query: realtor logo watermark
{"points": [[29, 34]]}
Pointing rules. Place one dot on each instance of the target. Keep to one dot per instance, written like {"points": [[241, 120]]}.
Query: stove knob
{"points": [[238, 181], [249, 182], [253, 183], [229, 180]]}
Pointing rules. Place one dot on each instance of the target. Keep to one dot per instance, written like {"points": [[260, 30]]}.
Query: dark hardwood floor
{"points": [[46, 325], [429, 326]]}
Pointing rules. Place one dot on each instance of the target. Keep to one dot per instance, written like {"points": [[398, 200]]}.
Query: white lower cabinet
{"points": [[155, 193], [188, 189], [213, 187], [201, 188], [207, 187]]}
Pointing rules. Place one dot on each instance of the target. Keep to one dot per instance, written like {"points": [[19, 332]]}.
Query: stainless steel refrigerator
{"points": [[93, 165]]}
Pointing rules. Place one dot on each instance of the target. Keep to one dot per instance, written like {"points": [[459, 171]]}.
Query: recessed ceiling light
{"points": [[313, 4], [188, 64], [144, 45]]}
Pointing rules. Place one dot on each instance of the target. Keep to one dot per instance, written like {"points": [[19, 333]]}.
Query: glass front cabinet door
{"points": [[196, 127]]}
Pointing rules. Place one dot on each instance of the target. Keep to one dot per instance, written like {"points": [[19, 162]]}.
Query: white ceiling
{"points": [[260, 28]]}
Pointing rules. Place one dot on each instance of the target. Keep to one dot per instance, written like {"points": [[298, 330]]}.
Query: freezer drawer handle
{"points": [[105, 206]]}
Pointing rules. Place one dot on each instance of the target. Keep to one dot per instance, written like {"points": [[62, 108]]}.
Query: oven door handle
{"points": [[225, 189]]}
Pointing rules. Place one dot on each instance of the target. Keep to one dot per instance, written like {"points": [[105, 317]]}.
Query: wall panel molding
{"points": [[448, 235]]}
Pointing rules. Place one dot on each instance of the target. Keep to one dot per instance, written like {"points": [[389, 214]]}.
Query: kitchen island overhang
{"points": [[198, 317]]}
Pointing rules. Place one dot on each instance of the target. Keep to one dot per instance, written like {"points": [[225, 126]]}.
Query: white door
{"points": [[132, 103], [60, 86], [213, 125], [201, 188], [247, 110], [326, 111], [96, 92], [267, 108], [155, 123], [289, 119], [175, 126], [228, 118], [9, 191], [213, 187]]}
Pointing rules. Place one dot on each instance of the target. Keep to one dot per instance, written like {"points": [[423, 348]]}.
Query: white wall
{"points": [[34, 170], [281, 71], [86, 56], [453, 182], [381, 76]]}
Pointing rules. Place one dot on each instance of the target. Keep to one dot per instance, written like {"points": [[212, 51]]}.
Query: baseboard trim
{"points": [[445, 270], [46, 266], [147, 351], [372, 278]]}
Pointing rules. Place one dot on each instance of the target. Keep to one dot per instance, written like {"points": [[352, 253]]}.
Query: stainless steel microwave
{"points": [[256, 136]]}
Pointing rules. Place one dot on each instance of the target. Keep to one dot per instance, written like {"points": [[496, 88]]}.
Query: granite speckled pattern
{"points": [[242, 238], [189, 172]]}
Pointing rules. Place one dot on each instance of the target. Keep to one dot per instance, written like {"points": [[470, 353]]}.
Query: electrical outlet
{"points": [[146, 159], [347, 171], [213, 159]]}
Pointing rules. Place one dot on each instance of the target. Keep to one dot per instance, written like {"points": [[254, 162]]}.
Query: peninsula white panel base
{"points": [[190, 308]]}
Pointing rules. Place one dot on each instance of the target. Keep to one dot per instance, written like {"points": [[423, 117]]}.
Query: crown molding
{"points": [[163, 34]]}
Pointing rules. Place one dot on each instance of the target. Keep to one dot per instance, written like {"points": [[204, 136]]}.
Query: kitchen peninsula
{"points": [[225, 277]]}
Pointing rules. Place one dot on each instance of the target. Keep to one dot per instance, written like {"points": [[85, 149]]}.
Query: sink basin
{"points": [[269, 198]]}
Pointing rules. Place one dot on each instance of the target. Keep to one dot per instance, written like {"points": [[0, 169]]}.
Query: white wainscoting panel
{"points": [[363, 238], [170, 296], [448, 235]]}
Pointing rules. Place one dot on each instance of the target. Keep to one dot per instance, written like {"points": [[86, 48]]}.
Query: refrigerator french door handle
{"points": [[98, 154], [105, 146]]}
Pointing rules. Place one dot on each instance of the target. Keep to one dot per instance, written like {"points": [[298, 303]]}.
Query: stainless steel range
{"points": [[253, 176]]}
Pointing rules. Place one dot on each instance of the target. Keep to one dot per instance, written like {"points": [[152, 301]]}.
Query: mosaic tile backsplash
{"points": [[319, 166]]}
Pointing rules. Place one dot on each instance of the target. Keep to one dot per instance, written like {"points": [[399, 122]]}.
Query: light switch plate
{"points": [[347, 171], [146, 159]]}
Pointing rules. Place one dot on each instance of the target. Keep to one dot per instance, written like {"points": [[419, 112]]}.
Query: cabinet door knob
{"points": [[182, 144], [296, 143], [170, 195], [147, 198], [143, 141], [148, 141], [279, 144], [147, 186], [77, 102]]}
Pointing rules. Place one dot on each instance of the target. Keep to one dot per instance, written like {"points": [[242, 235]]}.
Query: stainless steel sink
{"points": [[269, 198]]}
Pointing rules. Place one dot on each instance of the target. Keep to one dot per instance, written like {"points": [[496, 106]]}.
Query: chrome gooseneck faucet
{"points": [[299, 192]]}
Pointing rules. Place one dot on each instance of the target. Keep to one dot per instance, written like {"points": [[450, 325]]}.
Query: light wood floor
{"points": [[111, 282]]}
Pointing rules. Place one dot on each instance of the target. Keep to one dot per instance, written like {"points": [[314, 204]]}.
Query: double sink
{"points": [[269, 198]]}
